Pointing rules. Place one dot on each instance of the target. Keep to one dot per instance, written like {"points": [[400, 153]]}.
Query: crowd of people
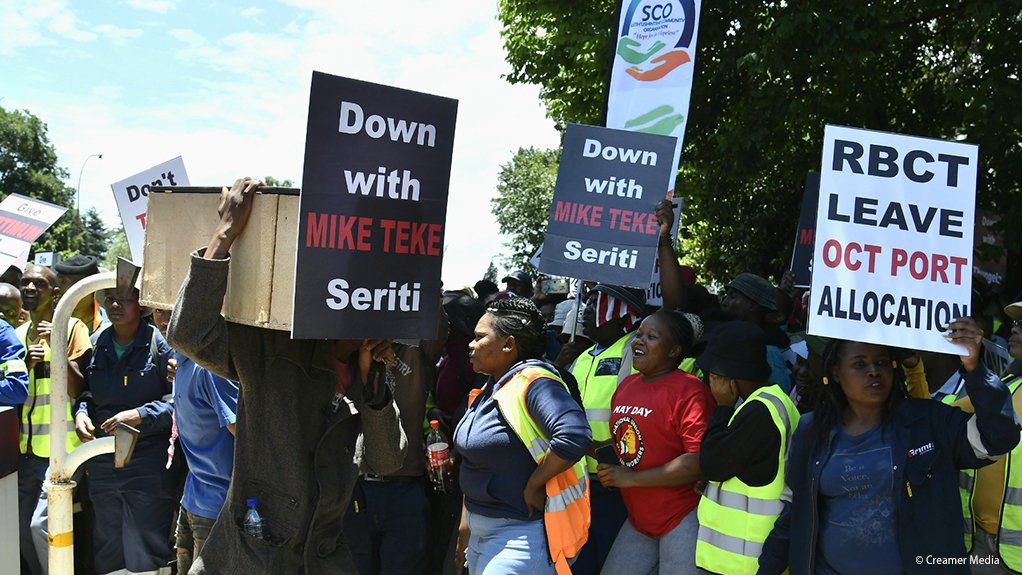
{"points": [[592, 433]]}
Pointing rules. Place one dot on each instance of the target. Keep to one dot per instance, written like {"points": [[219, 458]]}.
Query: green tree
{"points": [[96, 239], [118, 248], [491, 272], [28, 166], [525, 188], [275, 183], [770, 75]]}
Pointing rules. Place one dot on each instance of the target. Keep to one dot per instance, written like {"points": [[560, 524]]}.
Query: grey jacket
{"points": [[292, 450]]}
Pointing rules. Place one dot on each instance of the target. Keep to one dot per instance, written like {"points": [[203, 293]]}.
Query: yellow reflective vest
{"points": [[598, 377], [735, 518], [35, 414], [566, 517], [1009, 531]]}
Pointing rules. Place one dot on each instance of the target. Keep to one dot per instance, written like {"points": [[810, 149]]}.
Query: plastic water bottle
{"points": [[438, 458], [253, 521]]}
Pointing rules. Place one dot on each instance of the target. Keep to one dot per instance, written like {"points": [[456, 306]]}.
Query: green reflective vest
{"points": [[598, 378], [734, 518], [1009, 532], [35, 414]]}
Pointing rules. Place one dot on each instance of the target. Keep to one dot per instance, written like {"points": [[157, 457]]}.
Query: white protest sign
{"points": [[132, 195], [894, 235], [22, 221]]}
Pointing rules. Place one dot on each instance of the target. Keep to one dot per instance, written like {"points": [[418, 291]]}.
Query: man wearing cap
{"points": [[518, 282], [752, 298], [743, 451], [610, 318], [72, 271], [992, 495], [38, 292]]}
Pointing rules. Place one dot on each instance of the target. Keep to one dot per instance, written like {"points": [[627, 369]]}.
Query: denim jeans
{"points": [[507, 546], [608, 514], [673, 553]]}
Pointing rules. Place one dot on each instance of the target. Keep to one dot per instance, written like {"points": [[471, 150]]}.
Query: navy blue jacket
{"points": [[929, 446]]}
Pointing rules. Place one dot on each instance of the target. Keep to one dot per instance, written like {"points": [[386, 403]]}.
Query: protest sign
{"points": [[894, 232], [802, 254], [990, 262], [132, 196], [372, 210], [602, 226], [651, 81], [22, 221]]}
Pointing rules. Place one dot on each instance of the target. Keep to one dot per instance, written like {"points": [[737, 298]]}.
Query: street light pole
{"points": [[78, 193]]}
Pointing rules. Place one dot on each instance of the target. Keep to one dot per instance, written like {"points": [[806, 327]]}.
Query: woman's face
{"points": [[122, 307], [490, 352], [654, 350], [865, 374]]}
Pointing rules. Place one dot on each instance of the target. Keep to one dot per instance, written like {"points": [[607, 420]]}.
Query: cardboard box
{"points": [[261, 282]]}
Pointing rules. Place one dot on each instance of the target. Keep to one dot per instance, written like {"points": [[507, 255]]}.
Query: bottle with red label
{"points": [[438, 458]]}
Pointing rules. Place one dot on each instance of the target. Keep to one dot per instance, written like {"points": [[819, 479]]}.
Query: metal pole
{"points": [[61, 514], [78, 192]]}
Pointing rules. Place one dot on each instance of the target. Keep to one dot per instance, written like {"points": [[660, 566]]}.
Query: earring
{"points": [[826, 381]]}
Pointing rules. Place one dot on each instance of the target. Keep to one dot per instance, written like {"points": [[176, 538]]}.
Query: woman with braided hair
{"points": [[526, 499], [658, 417]]}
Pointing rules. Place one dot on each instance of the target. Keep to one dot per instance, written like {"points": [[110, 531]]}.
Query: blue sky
{"points": [[225, 85]]}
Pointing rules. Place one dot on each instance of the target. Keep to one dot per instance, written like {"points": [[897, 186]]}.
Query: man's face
{"points": [[737, 305], [122, 307], [10, 306], [512, 286], [161, 317], [65, 281], [37, 288], [1015, 340]]}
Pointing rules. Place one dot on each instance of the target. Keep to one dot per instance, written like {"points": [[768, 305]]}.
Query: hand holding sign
{"points": [[234, 209], [967, 333], [665, 217]]}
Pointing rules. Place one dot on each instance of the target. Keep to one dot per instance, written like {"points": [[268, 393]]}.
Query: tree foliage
{"points": [[28, 166], [272, 182], [118, 248], [770, 75], [491, 272], [525, 189]]}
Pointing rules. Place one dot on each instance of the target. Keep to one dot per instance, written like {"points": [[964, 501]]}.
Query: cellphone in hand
{"points": [[606, 454]]}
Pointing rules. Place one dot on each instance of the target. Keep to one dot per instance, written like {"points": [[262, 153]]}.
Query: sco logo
{"points": [[657, 12]]}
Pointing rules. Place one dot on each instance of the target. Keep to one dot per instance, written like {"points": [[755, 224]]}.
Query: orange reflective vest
{"points": [[566, 516]]}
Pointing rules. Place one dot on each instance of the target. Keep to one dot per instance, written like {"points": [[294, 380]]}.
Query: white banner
{"points": [[22, 221], [651, 81], [132, 195], [894, 238]]}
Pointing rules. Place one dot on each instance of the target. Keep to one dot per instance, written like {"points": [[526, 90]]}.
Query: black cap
{"points": [[757, 289], [736, 349], [78, 265], [520, 276]]}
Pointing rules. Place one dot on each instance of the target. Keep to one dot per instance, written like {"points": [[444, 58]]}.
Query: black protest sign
{"points": [[372, 211], [802, 255], [602, 225]]}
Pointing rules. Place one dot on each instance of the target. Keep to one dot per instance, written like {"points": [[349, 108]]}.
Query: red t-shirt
{"points": [[653, 422]]}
